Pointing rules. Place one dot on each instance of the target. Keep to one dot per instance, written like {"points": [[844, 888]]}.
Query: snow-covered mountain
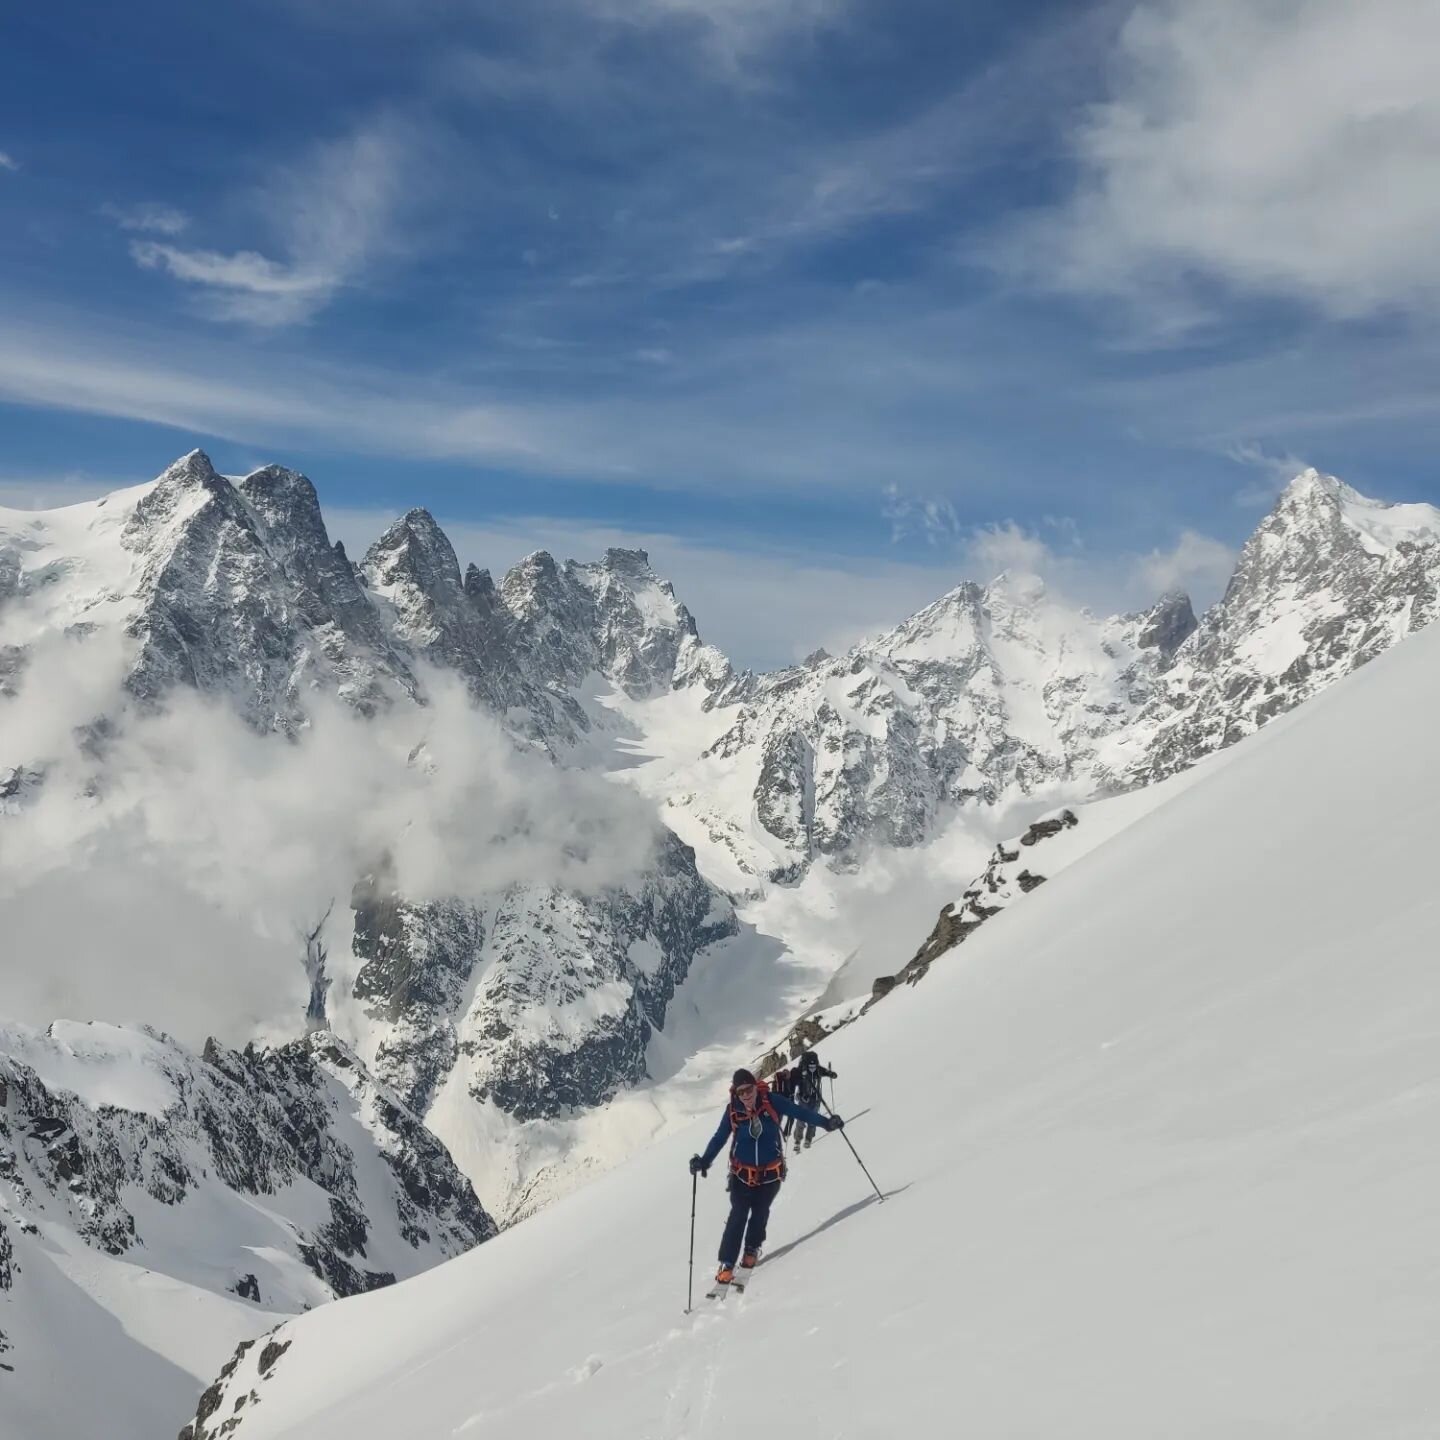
{"points": [[531, 999], [544, 1015], [1157, 1151], [1330, 580], [156, 1207], [988, 693]]}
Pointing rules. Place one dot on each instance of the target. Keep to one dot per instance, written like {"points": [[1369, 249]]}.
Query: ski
{"points": [[718, 1291], [744, 1277]]}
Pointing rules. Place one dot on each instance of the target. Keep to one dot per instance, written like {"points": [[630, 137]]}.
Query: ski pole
{"points": [[690, 1291], [880, 1195]]}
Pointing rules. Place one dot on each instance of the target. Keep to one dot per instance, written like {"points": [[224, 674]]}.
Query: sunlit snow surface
{"points": [[1160, 1148]]}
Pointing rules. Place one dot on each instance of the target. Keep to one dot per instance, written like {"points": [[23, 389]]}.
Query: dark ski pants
{"points": [[803, 1133], [749, 1215]]}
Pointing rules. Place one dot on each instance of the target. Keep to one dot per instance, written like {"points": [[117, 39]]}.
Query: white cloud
{"points": [[334, 213], [1273, 472], [284, 291], [991, 549], [285, 401], [1106, 582], [931, 518], [8, 161], [149, 216], [175, 891], [845, 422], [1196, 564], [1280, 146]]}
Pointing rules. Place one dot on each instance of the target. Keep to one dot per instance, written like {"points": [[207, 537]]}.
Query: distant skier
{"points": [[807, 1075], [783, 1083], [757, 1165]]}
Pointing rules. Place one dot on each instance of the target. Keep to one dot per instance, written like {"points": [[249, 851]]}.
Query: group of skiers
{"points": [[801, 1083], [751, 1123]]}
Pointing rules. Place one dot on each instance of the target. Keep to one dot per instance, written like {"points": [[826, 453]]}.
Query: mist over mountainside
{"points": [[537, 859]]}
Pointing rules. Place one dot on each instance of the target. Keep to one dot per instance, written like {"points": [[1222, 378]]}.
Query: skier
{"points": [[784, 1084], [807, 1076], [757, 1165]]}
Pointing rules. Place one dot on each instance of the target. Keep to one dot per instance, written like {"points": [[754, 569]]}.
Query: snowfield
{"points": [[1160, 1152]]}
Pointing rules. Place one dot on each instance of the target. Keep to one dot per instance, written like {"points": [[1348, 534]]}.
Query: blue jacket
{"points": [[767, 1147]]}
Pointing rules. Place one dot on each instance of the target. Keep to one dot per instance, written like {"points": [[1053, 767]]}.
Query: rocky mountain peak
{"points": [[415, 550], [194, 468], [628, 562], [1168, 624], [1329, 579], [185, 489], [531, 585], [285, 500], [480, 587], [1313, 487]]}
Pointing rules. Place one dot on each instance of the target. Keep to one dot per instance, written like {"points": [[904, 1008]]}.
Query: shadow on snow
{"points": [[835, 1219]]}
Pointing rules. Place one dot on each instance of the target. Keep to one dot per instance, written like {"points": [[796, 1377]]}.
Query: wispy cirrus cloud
{"points": [[1272, 471], [930, 518], [151, 217], [8, 161], [333, 213], [734, 32], [1282, 148]]}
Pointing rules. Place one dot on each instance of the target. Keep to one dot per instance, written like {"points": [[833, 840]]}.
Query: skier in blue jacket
{"points": [[757, 1164]]}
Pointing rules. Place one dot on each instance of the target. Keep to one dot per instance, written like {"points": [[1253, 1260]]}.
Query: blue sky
{"points": [[830, 303]]}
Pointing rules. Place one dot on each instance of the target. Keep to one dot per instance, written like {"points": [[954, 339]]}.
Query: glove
{"points": [[698, 1166], [834, 1123]]}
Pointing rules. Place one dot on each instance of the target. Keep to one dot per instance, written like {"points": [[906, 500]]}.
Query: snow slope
{"points": [[1159, 1145]]}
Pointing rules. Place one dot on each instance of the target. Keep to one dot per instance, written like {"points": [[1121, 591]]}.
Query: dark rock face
{"points": [[212, 1399], [1001, 883], [554, 949], [998, 886], [253, 1122], [1044, 830], [242, 594], [7, 1278], [1169, 625], [325, 594], [529, 963], [417, 962], [413, 567]]}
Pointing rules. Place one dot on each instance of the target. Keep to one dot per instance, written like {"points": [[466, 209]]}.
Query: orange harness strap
{"points": [[758, 1174]]}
